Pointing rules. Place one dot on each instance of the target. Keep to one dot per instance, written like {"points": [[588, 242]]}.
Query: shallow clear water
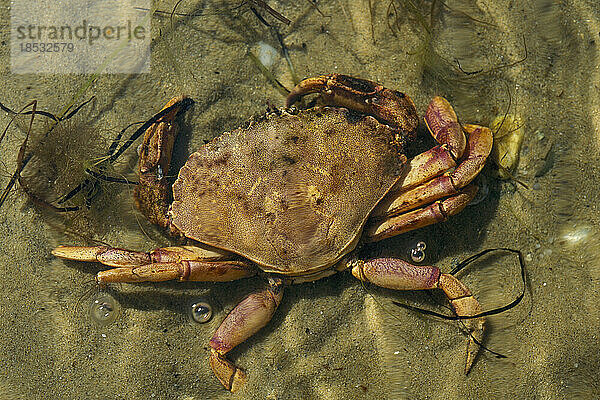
{"points": [[334, 338]]}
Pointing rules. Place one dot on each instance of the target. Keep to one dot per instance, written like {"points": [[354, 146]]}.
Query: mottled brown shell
{"points": [[291, 192]]}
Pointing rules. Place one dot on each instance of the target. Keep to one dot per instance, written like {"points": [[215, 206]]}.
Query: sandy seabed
{"points": [[334, 338]]}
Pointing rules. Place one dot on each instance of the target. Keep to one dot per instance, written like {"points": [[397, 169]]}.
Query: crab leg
{"points": [[431, 214], [399, 212], [185, 263], [478, 149], [390, 106], [247, 318], [400, 275], [153, 194]]}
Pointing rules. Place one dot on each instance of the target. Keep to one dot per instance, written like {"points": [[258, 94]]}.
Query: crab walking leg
{"points": [[400, 275], [198, 271], [247, 318], [185, 263], [476, 153], [153, 194], [439, 211], [116, 257]]}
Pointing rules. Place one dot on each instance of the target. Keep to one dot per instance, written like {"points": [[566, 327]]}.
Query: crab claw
{"points": [[153, 194], [442, 122], [393, 108]]}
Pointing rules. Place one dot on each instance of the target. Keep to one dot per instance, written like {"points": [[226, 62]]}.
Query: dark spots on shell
{"points": [[220, 158], [283, 205], [329, 132], [318, 114], [238, 196], [269, 218], [295, 139], [288, 160]]}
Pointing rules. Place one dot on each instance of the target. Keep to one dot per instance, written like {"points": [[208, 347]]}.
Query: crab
{"points": [[292, 197]]}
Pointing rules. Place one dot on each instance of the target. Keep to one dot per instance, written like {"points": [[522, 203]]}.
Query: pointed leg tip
{"points": [[230, 376], [471, 356], [77, 253], [474, 343], [470, 360], [238, 381], [58, 251]]}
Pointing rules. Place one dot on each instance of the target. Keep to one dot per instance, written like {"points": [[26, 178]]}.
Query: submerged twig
{"points": [[464, 14], [286, 55], [275, 14], [22, 159], [483, 71], [268, 74]]}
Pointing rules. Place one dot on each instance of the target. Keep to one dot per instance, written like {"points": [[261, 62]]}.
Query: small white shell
{"points": [[266, 54]]}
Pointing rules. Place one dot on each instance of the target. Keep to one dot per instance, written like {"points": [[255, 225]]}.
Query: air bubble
{"points": [[417, 254], [201, 312], [104, 309]]}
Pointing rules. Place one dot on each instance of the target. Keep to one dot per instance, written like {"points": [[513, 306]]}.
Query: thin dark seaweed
{"points": [[459, 267], [271, 11], [114, 153]]}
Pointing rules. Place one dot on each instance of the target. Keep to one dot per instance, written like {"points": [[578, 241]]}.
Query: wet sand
{"points": [[334, 338]]}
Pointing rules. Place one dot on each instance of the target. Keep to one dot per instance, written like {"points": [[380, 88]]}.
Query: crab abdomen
{"points": [[290, 192]]}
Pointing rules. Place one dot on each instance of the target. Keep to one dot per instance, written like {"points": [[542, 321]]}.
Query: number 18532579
{"points": [[46, 47]]}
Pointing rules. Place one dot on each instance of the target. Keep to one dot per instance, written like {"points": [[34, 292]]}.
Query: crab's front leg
{"points": [[153, 194], [389, 106], [428, 194], [400, 275]]}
